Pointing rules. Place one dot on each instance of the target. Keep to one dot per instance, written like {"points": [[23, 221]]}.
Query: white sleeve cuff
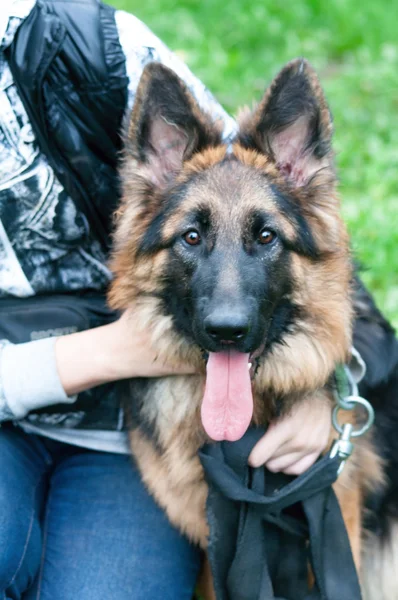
{"points": [[29, 377]]}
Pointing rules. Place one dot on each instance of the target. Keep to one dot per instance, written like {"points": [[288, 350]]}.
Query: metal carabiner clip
{"points": [[343, 445]]}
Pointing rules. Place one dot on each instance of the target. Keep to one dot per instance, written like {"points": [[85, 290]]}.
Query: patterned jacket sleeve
{"points": [[141, 46]]}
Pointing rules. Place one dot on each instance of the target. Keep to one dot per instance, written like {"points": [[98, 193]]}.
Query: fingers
{"points": [[293, 444], [283, 462], [273, 440], [301, 465], [294, 463]]}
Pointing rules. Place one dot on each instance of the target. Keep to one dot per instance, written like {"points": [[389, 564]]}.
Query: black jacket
{"points": [[69, 68]]}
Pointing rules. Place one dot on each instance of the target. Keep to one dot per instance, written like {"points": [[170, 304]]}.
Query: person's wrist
{"points": [[89, 358], [111, 357]]}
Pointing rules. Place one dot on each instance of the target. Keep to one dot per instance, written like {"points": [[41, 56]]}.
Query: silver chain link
{"points": [[343, 447]]}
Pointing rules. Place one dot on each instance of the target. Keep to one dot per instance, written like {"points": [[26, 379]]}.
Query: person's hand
{"points": [[293, 443], [130, 353], [112, 352]]}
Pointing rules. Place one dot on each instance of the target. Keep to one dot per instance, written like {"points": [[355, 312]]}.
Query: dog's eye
{"points": [[266, 236], [192, 237]]}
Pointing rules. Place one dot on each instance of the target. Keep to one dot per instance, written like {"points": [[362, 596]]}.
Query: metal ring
{"points": [[343, 403], [352, 401]]}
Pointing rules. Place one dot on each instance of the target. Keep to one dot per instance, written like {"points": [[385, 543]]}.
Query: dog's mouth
{"points": [[227, 406]]}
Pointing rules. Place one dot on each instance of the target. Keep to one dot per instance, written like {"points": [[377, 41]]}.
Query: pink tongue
{"points": [[227, 405]]}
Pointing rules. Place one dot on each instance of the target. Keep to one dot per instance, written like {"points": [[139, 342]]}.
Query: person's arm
{"points": [[53, 370], [29, 378], [109, 353]]}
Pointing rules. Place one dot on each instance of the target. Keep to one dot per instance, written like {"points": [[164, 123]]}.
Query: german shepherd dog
{"points": [[236, 259]]}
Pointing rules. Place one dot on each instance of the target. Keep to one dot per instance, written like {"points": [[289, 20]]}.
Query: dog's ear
{"points": [[167, 126], [292, 124]]}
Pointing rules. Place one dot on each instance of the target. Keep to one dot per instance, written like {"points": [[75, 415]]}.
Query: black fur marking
{"points": [[292, 97], [304, 243], [382, 504], [180, 312], [283, 318], [202, 215], [153, 240], [167, 97], [375, 339], [248, 141], [257, 221]]}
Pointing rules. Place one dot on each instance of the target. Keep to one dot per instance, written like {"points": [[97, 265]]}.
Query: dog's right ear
{"points": [[167, 126]]}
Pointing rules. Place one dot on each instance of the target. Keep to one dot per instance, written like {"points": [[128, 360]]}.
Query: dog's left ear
{"points": [[292, 124], [167, 125]]}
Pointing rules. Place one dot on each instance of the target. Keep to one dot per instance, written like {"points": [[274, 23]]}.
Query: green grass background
{"points": [[237, 46]]}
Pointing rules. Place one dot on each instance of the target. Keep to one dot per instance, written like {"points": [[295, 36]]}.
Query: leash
{"points": [[267, 528]]}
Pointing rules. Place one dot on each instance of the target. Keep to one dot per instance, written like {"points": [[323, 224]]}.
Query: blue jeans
{"points": [[79, 525]]}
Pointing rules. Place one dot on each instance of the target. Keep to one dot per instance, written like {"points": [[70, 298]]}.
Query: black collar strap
{"points": [[265, 528]]}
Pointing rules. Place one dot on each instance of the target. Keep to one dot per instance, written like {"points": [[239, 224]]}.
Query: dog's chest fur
{"points": [[165, 436]]}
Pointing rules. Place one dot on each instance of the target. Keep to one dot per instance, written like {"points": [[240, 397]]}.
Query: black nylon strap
{"points": [[265, 527]]}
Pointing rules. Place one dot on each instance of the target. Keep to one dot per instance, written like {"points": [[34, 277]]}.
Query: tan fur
{"points": [[205, 583], [229, 186], [362, 471], [176, 482], [379, 575]]}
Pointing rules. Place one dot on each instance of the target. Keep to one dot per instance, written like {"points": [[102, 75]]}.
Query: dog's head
{"points": [[239, 246]]}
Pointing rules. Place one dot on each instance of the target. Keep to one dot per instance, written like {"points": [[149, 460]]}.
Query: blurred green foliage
{"points": [[237, 46]]}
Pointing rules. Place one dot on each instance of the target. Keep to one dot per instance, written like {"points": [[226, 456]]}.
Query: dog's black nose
{"points": [[225, 326]]}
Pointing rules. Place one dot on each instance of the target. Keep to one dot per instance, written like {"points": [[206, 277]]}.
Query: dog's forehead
{"points": [[231, 189]]}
